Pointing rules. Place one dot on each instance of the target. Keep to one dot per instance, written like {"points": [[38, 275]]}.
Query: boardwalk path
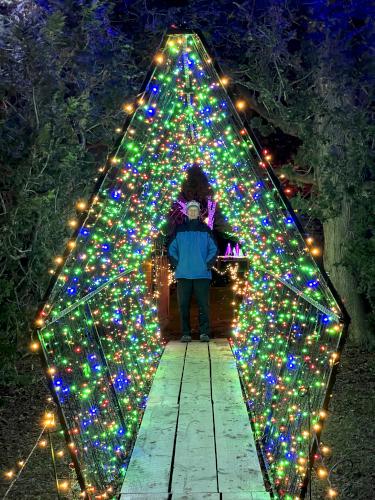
{"points": [[195, 440]]}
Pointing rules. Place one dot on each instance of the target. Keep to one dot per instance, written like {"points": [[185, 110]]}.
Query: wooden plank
{"points": [[237, 460], [196, 383], [238, 465], [150, 462], [149, 467], [173, 350], [195, 462], [197, 352], [246, 495], [260, 495], [225, 383], [225, 380], [165, 391], [144, 496], [167, 380], [220, 349], [196, 496]]}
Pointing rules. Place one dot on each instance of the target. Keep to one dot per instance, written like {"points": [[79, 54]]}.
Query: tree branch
{"points": [[261, 109], [295, 177]]}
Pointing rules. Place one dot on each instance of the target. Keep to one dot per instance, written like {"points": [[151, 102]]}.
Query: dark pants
{"points": [[185, 289]]}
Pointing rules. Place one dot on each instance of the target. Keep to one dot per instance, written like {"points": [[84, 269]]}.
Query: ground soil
{"points": [[349, 432]]}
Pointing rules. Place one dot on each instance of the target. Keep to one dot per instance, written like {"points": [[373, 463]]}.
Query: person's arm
{"points": [[213, 251], [173, 251]]}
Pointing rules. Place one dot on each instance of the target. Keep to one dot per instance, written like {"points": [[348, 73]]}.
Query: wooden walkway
{"points": [[195, 440]]}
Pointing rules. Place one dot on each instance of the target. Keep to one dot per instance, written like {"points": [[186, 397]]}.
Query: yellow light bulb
{"points": [[81, 205], [159, 58], [315, 251], [332, 493], [322, 472], [241, 104], [34, 346], [73, 223], [39, 322], [49, 420], [63, 485], [224, 80], [128, 108]]}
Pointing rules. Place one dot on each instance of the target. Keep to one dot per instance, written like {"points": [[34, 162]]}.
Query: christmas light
{"points": [[159, 58], [315, 251], [332, 493], [128, 108], [34, 346], [241, 104], [63, 485], [81, 205], [101, 334], [322, 472], [73, 223]]}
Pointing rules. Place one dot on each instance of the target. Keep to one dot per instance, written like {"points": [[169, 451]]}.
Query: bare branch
{"points": [[3, 204], [36, 110], [295, 177], [261, 109]]}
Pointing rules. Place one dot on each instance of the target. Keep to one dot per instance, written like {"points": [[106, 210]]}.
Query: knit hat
{"points": [[192, 203]]}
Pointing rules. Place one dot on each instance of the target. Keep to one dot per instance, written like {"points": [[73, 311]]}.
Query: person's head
{"points": [[193, 209]]}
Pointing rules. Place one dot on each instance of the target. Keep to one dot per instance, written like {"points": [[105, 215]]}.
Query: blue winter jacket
{"points": [[192, 250]]}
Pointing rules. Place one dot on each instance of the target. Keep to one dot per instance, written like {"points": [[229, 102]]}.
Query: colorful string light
{"points": [[99, 330]]}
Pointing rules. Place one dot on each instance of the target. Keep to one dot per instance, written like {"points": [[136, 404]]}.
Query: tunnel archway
{"points": [[98, 325]]}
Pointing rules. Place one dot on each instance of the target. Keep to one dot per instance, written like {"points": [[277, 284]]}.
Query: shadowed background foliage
{"points": [[67, 68]]}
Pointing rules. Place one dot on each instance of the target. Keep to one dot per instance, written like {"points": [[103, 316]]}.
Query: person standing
{"points": [[192, 252]]}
